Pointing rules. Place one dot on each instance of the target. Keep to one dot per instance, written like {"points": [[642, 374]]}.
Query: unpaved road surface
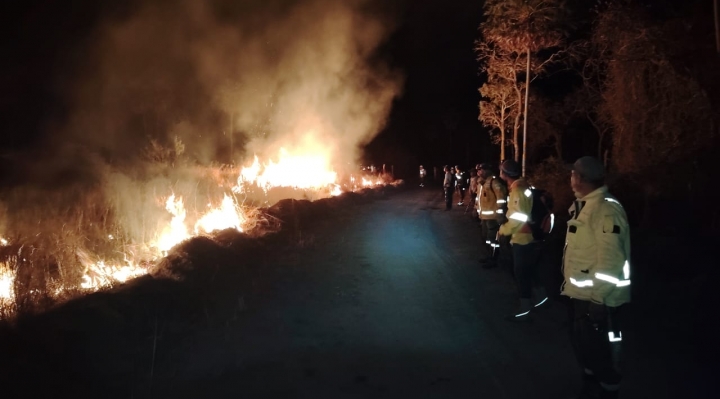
{"points": [[382, 299]]}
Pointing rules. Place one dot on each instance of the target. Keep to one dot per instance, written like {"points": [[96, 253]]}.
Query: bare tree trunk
{"points": [[516, 143], [502, 134], [525, 113]]}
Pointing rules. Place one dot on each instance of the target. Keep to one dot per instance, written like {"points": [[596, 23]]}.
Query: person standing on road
{"points": [[473, 189], [493, 202], [461, 184], [448, 187], [596, 267], [423, 173], [525, 250]]}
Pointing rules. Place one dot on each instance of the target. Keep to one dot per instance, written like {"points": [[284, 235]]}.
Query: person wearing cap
{"points": [[525, 250], [448, 187], [492, 206], [596, 267]]}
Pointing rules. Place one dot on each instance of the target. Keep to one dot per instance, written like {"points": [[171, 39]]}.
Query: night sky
{"points": [[434, 121]]}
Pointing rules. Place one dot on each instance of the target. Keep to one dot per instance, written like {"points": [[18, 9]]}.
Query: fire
{"points": [[7, 279], [228, 216], [304, 171], [176, 232], [308, 170], [100, 274]]}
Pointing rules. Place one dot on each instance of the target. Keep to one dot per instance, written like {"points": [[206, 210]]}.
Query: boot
{"points": [[541, 299], [522, 314]]}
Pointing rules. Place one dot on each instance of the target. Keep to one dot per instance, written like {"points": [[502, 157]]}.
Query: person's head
{"points": [[421, 167], [446, 168], [588, 174], [457, 168], [484, 170], [510, 171]]}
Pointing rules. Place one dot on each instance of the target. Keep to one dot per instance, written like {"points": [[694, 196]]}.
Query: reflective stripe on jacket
{"points": [[492, 199], [596, 262], [518, 213]]}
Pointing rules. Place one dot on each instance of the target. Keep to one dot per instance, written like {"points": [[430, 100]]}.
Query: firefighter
{"points": [[448, 187], [492, 205], [596, 267], [461, 184], [423, 173], [526, 251]]}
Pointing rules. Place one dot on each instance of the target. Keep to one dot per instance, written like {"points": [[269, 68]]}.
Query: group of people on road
{"points": [[596, 256]]}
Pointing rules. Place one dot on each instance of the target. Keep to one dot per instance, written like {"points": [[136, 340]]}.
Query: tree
{"points": [[502, 95], [659, 115], [526, 29]]}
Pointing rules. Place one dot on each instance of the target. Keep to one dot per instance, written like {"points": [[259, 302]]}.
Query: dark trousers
{"points": [[471, 205], [589, 335], [448, 198], [526, 267], [490, 229]]}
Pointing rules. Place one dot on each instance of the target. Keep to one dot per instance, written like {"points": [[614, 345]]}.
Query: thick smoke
{"points": [[247, 78]]}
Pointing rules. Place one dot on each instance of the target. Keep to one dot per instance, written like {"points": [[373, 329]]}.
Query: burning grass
{"points": [[67, 239]]}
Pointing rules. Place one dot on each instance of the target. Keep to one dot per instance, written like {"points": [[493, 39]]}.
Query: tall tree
{"points": [[501, 95], [526, 28], [659, 114]]}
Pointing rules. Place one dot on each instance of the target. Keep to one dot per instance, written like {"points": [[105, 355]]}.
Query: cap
{"points": [[484, 166], [511, 168], [589, 168]]}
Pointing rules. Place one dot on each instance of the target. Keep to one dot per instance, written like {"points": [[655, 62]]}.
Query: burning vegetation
{"points": [[59, 243], [242, 106]]}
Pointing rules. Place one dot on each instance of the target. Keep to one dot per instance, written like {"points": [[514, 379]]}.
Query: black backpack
{"points": [[542, 218]]}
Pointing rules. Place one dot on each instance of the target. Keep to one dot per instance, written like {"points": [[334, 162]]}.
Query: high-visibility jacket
{"points": [[492, 199], [518, 213], [596, 262]]}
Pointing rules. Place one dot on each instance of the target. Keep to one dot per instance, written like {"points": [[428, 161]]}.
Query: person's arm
{"points": [[518, 214], [610, 228]]}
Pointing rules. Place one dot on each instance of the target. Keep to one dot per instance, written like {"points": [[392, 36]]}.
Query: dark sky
{"points": [[434, 121]]}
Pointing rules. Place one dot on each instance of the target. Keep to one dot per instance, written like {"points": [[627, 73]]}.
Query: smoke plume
{"points": [[242, 78]]}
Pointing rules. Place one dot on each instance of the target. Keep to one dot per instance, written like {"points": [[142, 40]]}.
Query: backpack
{"points": [[542, 218]]}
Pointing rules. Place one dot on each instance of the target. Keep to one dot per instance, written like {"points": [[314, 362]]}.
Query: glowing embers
{"points": [[100, 274]]}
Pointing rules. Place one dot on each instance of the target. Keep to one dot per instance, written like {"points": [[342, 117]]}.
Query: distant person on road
{"points": [[597, 276], [526, 251], [493, 204], [461, 184], [423, 173], [448, 187]]}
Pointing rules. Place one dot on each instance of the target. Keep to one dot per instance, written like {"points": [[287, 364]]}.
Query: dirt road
{"points": [[382, 299]]}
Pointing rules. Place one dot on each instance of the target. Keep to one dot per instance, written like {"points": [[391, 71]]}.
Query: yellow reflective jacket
{"points": [[518, 213], [596, 260], [492, 199]]}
